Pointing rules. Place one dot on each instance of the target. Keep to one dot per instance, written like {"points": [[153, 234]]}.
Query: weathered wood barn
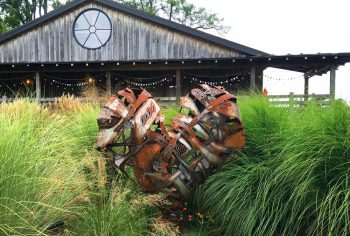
{"points": [[105, 44]]}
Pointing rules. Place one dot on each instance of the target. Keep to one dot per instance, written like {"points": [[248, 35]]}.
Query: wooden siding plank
{"points": [[132, 39]]}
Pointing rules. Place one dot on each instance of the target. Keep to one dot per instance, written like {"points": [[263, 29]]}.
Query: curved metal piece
{"points": [[175, 160]]}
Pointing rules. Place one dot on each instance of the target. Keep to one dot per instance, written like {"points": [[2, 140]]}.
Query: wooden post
{"points": [[108, 83], [252, 79], [313, 96], [37, 87], [178, 84], [260, 76], [306, 87], [332, 81], [291, 99]]}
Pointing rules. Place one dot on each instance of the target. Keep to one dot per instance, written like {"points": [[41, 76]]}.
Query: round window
{"points": [[92, 28]]}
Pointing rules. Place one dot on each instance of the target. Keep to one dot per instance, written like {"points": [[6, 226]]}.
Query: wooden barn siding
{"points": [[132, 39]]}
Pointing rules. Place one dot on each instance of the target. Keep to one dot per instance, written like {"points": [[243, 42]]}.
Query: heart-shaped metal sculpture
{"points": [[173, 159]]}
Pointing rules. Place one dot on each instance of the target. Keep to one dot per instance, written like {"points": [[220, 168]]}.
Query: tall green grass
{"points": [[292, 177], [38, 183], [51, 176]]}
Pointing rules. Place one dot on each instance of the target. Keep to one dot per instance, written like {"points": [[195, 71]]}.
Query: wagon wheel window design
{"points": [[92, 28]]}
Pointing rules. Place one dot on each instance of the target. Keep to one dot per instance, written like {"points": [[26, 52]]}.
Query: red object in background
{"points": [[265, 92]]}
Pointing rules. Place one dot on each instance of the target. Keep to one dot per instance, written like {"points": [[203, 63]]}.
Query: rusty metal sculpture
{"points": [[175, 159]]}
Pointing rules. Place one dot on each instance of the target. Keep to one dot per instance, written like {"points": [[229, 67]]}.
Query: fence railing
{"points": [[44, 101], [299, 99], [5, 99], [278, 100]]}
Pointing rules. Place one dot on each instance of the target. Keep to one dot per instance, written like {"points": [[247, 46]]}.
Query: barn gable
{"points": [[134, 36]]}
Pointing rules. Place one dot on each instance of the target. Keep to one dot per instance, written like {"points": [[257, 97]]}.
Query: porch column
{"points": [[178, 84], [37, 87], [332, 81], [306, 86], [252, 79], [108, 83]]}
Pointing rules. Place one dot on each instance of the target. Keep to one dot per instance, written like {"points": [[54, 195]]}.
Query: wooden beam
{"points": [[332, 81], [178, 84], [37, 87], [252, 78], [91, 68], [108, 83], [301, 66]]}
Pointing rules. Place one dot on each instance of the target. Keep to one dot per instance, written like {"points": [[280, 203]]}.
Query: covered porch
{"points": [[163, 78]]}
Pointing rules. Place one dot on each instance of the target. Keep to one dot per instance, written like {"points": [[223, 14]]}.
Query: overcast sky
{"points": [[293, 26]]}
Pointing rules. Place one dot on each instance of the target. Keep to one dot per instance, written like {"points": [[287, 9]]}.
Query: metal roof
{"points": [[120, 7]]}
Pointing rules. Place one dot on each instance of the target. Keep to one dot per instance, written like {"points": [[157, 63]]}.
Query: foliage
{"points": [[180, 11], [39, 184], [169, 112], [3, 27], [55, 4], [291, 179], [119, 211], [17, 12], [50, 175]]}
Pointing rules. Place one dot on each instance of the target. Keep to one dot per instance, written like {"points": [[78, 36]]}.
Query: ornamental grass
{"points": [[292, 178], [52, 181]]}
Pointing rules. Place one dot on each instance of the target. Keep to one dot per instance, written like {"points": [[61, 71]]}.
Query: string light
{"points": [[147, 84], [28, 82], [227, 81], [81, 84], [284, 79]]}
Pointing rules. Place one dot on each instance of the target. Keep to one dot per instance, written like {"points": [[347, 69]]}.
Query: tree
{"points": [[150, 6], [180, 11], [57, 4], [3, 27], [14, 13], [18, 12]]}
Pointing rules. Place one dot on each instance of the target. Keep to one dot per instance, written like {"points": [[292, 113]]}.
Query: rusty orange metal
{"points": [[175, 159]]}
